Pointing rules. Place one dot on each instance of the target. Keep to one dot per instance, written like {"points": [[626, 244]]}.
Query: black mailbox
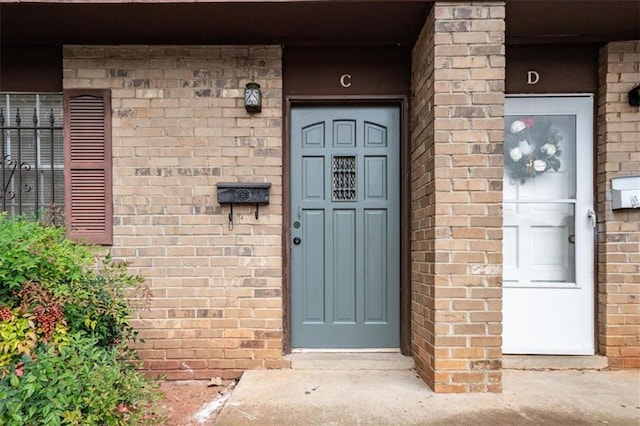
{"points": [[243, 193]]}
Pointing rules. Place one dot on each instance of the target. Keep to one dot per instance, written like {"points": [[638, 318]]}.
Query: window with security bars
{"points": [[31, 154], [344, 178]]}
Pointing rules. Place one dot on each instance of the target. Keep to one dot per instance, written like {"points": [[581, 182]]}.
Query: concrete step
{"points": [[350, 361], [554, 362], [312, 360], [295, 397]]}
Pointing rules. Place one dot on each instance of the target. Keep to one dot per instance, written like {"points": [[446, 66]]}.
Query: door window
{"points": [[539, 199]]}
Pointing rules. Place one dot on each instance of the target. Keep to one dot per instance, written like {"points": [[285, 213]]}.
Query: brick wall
{"points": [[618, 154], [456, 159], [422, 204], [179, 127]]}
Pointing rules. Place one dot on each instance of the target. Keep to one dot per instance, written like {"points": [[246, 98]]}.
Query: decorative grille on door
{"points": [[344, 178]]}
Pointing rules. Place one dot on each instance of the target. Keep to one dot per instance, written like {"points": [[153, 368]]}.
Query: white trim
{"points": [[551, 95], [556, 201]]}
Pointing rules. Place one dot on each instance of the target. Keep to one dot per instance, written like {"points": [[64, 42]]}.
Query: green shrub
{"points": [[81, 383], [20, 336], [33, 251], [64, 323], [40, 267]]}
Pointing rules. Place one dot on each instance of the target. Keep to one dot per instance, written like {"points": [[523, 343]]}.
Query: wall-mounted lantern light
{"points": [[252, 97], [634, 96]]}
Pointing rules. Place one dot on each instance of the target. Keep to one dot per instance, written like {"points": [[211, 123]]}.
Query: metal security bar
{"points": [[344, 178], [31, 167]]}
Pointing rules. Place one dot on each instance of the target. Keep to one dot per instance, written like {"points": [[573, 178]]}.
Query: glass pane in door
{"points": [[539, 200], [539, 159]]}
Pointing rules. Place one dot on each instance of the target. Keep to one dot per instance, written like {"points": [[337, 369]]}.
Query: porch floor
{"points": [[350, 397]]}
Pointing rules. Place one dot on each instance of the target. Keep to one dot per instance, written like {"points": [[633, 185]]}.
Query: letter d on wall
{"points": [[533, 77]]}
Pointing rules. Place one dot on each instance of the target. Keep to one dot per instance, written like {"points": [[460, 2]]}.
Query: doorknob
{"points": [[297, 240]]}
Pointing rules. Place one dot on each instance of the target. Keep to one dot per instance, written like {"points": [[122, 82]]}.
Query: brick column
{"points": [[456, 153], [618, 154]]}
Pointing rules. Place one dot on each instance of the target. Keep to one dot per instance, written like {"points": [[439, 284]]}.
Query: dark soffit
{"points": [[322, 22], [553, 21]]}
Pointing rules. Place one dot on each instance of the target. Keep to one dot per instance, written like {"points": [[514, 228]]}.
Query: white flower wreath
{"points": [[531, 148]]}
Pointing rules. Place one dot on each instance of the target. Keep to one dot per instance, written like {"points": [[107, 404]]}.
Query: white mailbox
{"points": [[625, 192]]}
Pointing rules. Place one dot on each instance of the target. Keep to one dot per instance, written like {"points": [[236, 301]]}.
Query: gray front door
{"points": [[345, 202]]}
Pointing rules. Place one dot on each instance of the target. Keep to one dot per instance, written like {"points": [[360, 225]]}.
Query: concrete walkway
{"points": [[317, 395]]}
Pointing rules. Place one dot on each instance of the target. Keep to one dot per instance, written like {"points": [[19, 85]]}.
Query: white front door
{"points": [[549, 221]]}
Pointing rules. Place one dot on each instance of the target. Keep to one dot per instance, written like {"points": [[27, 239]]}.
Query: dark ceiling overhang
{"points": [[302, 22], [554, 21], [234, 22]]}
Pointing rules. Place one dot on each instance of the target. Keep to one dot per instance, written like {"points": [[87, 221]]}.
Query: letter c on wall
{"points": [[345, 80]]}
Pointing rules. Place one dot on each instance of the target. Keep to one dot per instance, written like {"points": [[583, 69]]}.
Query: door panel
{"points": [[313, 178], [313, 265], [375, 177], [548, 233], [344, 134], [344, 261], [345, 198], [375, 265]]}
